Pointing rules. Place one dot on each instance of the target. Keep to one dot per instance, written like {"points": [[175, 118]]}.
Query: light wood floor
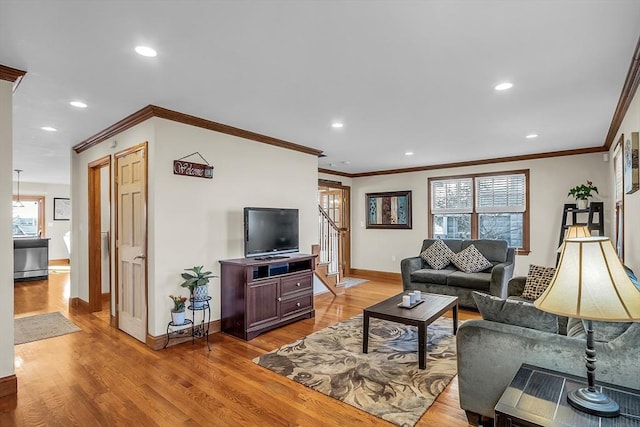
{"points": [[103, 377]]}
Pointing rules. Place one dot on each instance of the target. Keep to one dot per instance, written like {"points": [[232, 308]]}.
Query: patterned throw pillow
{"points": [[470, 260], [538, 280], [437, 255]]}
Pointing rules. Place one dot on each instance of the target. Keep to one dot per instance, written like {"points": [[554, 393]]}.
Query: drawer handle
{"points": [[297, 304], [279, 299], [298, 284]]}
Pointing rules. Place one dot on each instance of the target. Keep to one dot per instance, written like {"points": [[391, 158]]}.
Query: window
{"points": [[28, 216], [483, 206]]}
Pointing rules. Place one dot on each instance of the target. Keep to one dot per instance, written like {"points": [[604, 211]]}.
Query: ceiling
{"points": [[401, 76]]}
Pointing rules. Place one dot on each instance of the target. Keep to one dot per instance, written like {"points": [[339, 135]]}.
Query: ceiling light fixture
{"points": [[531, 136], [17, 203], [504, 86], [146, 51], [409, 153], [49, 128], [78, 104], [337, 125]]}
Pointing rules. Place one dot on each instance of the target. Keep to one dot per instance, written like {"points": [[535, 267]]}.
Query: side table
{"points": [[538, 397]]}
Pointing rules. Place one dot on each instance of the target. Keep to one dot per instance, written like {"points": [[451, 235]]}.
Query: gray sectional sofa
{"points": [[490, 353], [418, 275]]}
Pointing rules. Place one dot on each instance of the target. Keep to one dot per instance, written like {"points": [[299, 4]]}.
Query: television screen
{"points": [[270, 231]]}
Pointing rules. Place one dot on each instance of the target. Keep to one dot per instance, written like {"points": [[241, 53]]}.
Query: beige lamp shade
{"points": [[575, 231], [591, 283]]}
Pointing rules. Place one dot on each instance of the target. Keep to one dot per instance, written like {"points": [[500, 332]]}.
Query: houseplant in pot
{"points": [[582, 193], [196, 281], [177, 312]]}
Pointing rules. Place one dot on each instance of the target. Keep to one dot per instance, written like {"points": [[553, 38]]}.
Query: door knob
{"points": [[140, 257]]}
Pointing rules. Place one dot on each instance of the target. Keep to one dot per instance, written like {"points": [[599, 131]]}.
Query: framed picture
{"points": [[61, 209], [389, 210], [630, 153]]}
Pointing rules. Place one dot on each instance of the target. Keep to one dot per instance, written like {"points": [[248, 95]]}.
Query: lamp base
{"points": [[593, 402]]}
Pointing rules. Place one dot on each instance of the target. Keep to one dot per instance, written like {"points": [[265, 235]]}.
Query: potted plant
{"points": [[177, 313], [196, 281], [582, 193]]}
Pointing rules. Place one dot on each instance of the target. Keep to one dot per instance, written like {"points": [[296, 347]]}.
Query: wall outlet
{"points": [[393, 257]]}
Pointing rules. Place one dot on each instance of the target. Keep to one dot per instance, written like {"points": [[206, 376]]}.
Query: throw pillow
{"points": [[512, 312], [470, 260], [437, 255], [538, 280]]}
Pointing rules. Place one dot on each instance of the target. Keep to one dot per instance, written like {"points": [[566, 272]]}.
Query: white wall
{"points": [[54, 230], [550, 180], [630, 123], [194, 221], [6, 238]]}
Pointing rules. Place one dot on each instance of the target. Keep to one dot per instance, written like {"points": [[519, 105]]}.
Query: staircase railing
{"points": [[329, 242]]}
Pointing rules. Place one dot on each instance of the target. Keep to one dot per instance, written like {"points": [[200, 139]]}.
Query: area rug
{"points": [[350, 281], [42, 326], [386, 382]]}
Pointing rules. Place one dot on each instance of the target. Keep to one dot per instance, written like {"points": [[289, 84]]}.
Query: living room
{"points": [[179, 205]]}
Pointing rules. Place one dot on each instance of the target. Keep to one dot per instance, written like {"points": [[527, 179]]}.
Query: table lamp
{"points": [[590, 283], [574, 231]]}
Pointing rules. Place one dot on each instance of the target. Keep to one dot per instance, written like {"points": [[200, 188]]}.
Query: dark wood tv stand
{"points": [[258, 295]]}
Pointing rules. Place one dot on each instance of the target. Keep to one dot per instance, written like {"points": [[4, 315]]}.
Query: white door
{"points": [[131, 245]]}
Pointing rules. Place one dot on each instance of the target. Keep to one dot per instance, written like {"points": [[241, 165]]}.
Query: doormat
{"points": [[41, 327], [386, 382]]}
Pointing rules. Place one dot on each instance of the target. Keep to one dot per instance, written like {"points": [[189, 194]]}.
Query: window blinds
{"points": [[452, 196], [501, 193]]}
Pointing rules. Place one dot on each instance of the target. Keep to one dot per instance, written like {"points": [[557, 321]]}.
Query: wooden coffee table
{"points": [[422, 315]]}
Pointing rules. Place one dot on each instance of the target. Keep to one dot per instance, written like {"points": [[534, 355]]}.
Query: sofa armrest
{"points": [[484, 372], [408, 266], [500, 275]]}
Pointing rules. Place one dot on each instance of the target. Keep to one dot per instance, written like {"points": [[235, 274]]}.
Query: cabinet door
{"points": [[262, 302]]}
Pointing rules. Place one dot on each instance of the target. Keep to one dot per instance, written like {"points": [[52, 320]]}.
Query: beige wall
{"points": [[631, 123], [194, 221], [550, 180], [54, 230], [6, 238]]}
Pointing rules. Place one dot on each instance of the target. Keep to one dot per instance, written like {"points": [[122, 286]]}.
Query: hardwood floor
{"points": [[101, 376]]}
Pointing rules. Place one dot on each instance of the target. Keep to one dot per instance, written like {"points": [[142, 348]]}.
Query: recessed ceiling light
{"points": [[504, 86], [532, 135], [337, 125], [146, 51], [409, 153], [78, 104], [346, 162], [49, 128]]}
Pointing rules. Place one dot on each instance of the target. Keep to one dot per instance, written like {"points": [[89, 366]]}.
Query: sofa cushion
{"points": [[427, 275], [493, 250], [480, 281], [538, 280], [437, 255], [454, 244], [470, 260], [602, 331], [512, 312]]}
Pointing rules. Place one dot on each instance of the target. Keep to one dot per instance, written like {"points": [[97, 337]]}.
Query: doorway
{"points": [[335, 199], [99, 181]]}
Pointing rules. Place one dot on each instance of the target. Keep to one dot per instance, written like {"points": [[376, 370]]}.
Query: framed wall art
{"points": [[630, 153], [61, 209], [389, 210]]}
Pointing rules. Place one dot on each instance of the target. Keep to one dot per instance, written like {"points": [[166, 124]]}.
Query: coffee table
{"points": [[422, 315]]}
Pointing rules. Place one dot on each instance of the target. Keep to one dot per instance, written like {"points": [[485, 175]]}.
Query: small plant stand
{"points": [[178, 331], [198, 330]]}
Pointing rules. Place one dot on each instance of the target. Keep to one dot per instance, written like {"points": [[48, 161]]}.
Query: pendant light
{"points": [[17, 203]]}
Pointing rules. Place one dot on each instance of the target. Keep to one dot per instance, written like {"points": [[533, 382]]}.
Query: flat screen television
{"points": [[269, 232]]}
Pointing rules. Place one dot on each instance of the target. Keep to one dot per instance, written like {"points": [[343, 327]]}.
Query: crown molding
{"points": [[12, 75], [629, 89], [154, 111], [470, 163]]}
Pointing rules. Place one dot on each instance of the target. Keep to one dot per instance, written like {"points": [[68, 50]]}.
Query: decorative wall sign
{"points": [[183, 167], [630, 152], [61, 209], [389, 210]]}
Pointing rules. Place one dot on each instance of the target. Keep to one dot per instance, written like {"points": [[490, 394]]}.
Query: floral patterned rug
{"points": [[386, 382]]}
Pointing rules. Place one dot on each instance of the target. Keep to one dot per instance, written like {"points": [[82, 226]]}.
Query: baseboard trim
{"points": [[61, 261], [9, 386], [157, 343], [383, 276], [79, 304]]}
